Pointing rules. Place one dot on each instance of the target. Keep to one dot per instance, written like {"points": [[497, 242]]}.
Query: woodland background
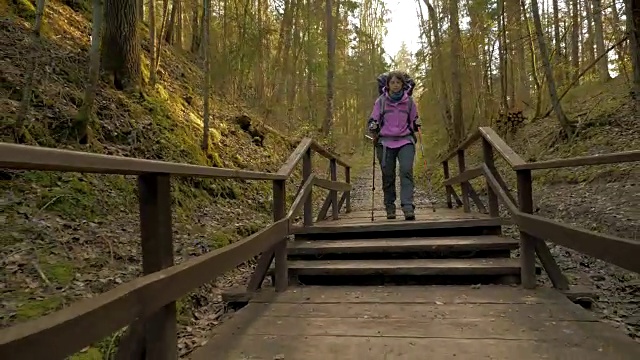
{"points": [[230, 83]]}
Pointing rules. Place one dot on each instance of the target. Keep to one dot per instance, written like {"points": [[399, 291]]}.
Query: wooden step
{"points": [[422, 228], [415, 267], [402, 245]]}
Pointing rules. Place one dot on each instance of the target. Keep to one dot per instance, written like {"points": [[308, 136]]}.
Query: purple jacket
{"points": [[396, 130]]}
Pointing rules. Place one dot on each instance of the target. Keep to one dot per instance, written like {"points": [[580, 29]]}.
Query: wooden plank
{"points": [[479, 266], [327, 154], [301, 200], [465, 144], [241, 346], [527, 242], [476, 199], [287, 168], [486, 294], [569, 332], [613, 158], [75, 326], [334, 193], [465, 176], [307, 172], [505, 150], [332, 185], [362, 226], [612, 249], [280, 247], [487, 151], [448, 189], [464, 188], [421, 312], [25, 157], [422, 213], [431, 244], [161, 328]]}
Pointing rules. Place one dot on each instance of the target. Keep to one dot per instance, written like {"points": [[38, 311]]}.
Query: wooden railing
{"points": [[148, 303], [534, 229]]}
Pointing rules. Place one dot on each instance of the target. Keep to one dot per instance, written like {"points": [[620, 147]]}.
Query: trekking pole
{"points": [[373, 175], [430, 188]]}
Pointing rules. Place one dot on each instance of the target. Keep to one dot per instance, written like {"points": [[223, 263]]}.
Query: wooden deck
{"points": [[436, 322], [422, 214], [360, 221]]}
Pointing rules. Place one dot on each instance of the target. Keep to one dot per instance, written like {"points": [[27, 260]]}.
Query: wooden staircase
{"points": [[388, 252]]}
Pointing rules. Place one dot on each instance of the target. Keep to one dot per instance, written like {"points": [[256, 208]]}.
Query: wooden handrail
{"points": [[25, 157], [295, 157], [517, 163], [533, 228], [612, 158], [67, 331], [302, 196], [612, 249], [505, 150], [465, 144]]}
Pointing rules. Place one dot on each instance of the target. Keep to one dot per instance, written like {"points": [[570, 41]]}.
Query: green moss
{"points": [[32, 309], [23, 8], [61, 272], [220, 239], [90, 354], [249, 229]]}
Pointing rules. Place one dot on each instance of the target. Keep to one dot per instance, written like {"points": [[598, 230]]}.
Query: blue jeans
{"points": [[404, 155]]}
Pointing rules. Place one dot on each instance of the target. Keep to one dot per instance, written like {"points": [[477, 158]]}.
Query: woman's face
{"points": [[395, 84]]}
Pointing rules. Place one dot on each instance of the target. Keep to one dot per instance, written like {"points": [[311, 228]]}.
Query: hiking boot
{"points": [[391, 213], [409, 214]]}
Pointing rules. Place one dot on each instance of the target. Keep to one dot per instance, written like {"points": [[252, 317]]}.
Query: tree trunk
{"points": [[195, 30], [456, 54], [152, 43], [31, 69], [562, 118], [633, 28], [121, 44], [331, 66], [207, 73], [168, 35], [86, 111], [603, 63], [179, 26], [439, 63], [588, 50], [557, 42], [534, 65], [575, 36]]}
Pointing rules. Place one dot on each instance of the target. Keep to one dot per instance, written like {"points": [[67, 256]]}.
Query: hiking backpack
{"points": [[409, 84]]}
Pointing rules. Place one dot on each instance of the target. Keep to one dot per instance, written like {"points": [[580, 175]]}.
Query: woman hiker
{"points": [[393, 122]]}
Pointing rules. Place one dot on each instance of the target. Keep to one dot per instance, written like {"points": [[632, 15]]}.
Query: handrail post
{"points": [[445, 170], [333, 193], [527, 242], [487, 150], [160, 329], [306, 173], [347, 179], [464, 185], [279, 212]]}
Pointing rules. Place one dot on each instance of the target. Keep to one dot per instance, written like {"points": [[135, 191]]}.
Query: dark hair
{"points": [[398, 75]]}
